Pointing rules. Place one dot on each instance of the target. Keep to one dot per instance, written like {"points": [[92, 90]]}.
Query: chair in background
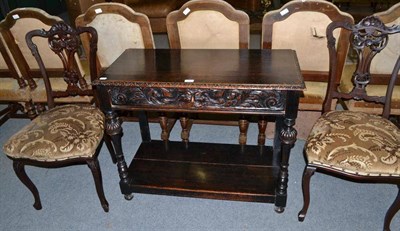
{"points": [[354, 145], [301, 26], [13, 89], [119, 28], [381, 67], [208, 24], [13, 29], [66, 134]]}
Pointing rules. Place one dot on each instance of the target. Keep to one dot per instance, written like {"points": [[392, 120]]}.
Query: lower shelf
{"points": [[214, 171]]}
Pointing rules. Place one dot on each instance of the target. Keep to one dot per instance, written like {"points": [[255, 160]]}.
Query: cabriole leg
{"points": [[19, 169], [308, 172]]}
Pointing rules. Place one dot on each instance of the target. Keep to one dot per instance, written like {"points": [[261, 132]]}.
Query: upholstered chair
{"points": [[301, 25], [381, 67], [353, 145], [14, 91], [118, 28], [209, 24], [66, 134], [14, 27]]}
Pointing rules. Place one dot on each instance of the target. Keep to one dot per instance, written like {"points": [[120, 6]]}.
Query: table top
{"points": [[205, 68]]}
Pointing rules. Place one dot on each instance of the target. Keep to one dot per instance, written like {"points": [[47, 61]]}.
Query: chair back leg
{"points": [[19, 169]]}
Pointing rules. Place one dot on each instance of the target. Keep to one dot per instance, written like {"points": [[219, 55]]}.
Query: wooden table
{"points": [[256, 82]]}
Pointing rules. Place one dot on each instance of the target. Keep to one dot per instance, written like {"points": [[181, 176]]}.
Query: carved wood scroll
{"points": [[199, 99]]}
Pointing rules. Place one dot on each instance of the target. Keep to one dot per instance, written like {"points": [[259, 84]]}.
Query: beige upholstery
{"points": [[118, 28], [10, 91], [384, 61], [14, 91], [356, 143], [19, 30], [211, 24], [296, 33], [64, 132], [301, 26], [208, 29]]}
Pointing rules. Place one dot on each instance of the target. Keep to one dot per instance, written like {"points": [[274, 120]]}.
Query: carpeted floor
{"points": [[70, 202]]}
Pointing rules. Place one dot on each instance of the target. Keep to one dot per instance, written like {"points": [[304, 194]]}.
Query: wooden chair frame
{"points": [[64, 41], [368, 37]]}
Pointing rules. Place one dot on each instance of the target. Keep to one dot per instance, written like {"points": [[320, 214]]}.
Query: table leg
{"points": [[288, 136], [114, 130]]}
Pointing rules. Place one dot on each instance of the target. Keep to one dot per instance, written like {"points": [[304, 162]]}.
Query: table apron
{"points": [[250, 101]]}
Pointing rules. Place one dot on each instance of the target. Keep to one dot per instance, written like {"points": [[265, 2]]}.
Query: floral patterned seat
{"points": [[351, 144], [64, 132], [356, 143]]}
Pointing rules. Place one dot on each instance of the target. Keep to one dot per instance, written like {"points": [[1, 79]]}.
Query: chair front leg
{"points": [[19, 169], [96, 172], [393, 209], [308, 172]]}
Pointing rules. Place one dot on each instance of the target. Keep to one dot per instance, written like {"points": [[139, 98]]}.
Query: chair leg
{"points": [[19, 169], [95, 168], [308, 172], [393, 209]]}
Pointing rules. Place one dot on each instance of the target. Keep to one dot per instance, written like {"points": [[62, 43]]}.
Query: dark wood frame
{"points": [[368, 37], [162, 88], [220, 6], [64, 41]]}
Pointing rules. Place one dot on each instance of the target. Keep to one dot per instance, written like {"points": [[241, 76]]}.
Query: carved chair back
{"points": [[118, 28], [13, 29], [368, 38], [200, 24], [381, 67], [64, 41], [301, 26]]}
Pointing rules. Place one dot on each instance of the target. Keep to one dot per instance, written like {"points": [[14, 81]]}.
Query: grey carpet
{"points": [[70, 202]]}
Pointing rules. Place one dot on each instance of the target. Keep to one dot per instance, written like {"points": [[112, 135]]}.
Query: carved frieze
{"points": [[199, 99]]}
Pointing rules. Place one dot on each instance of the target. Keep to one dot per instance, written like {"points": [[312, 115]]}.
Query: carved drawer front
{"points": [[198, 99]]}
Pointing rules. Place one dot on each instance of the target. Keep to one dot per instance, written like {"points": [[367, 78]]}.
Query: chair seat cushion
{"points": [[64, 132], [11, 91], [356, 143]]}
